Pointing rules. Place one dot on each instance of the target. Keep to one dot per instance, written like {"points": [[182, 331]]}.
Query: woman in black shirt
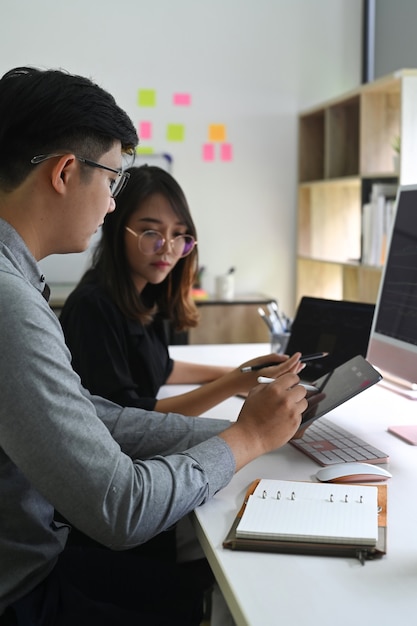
{"points": [[115, 321]]}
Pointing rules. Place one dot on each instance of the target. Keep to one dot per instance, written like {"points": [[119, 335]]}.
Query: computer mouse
{"points": [[352, 473]]}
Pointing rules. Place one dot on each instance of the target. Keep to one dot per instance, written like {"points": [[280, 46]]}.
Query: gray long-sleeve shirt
{"points": [[119, 475]]}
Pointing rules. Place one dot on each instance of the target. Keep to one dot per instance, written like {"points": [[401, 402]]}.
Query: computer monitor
{"points": [[393, 342]]}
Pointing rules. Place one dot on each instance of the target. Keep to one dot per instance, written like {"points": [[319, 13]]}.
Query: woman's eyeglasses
{"points": [[151, 242]]}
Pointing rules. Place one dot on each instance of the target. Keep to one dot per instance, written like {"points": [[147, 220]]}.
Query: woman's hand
{"points": [[275, 366]]}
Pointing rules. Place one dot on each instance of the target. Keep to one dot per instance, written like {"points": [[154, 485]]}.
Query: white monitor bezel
{"points": [[396, 359]]}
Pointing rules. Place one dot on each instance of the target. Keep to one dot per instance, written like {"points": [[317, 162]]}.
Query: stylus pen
{"points": [[313, 357], [307, 386], [325, 381], [304, 359]]}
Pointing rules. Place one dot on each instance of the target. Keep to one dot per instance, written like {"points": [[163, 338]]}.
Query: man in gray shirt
{"points": [[119, 475]]}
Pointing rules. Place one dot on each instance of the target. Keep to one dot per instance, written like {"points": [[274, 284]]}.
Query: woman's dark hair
{"points": [[171, 298]]}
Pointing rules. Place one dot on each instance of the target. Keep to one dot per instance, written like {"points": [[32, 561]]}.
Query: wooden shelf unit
{"points": [[344, 146]]}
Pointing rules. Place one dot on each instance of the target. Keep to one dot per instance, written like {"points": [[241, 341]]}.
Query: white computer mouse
{"points": [[352, 473]]}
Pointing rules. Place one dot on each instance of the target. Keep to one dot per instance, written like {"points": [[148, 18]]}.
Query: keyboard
{"points": [[327, 444]]}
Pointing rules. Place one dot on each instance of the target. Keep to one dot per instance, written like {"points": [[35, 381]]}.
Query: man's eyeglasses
{"points": [[116, 184], [151, 242]]}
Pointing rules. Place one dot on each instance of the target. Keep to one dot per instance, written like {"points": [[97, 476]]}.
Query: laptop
{"points": [[340, 327]]}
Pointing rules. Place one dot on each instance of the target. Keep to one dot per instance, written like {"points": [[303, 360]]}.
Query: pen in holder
{"points": [[279, 342], [279, 327]]}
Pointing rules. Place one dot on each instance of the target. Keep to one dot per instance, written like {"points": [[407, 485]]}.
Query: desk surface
{"points": [[270, 589]]}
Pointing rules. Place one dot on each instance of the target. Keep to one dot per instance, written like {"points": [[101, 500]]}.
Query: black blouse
{"points": [[117, 358]]}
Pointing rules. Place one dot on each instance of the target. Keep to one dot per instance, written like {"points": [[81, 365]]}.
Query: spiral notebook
{"points": [[311, 518]]}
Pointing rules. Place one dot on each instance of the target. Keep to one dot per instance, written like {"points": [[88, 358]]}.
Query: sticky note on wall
{"points": [[145, 130], [217, 132], [226, 153], [147, 97], [175, 132], [182, 99], [208, 152]]}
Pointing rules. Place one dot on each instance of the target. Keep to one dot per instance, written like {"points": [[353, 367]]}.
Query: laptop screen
{"points": [[339, 327]]}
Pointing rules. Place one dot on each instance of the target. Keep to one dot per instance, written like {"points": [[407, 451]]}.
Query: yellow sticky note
{"points": [[147, 97], [175, 132], [144, 150], [217, 132]]}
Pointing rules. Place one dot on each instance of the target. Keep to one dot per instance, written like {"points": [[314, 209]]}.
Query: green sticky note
{"points": [[144, 150], [175, 132], [147, 97]]}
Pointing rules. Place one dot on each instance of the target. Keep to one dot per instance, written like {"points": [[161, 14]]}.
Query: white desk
{"points": [[291, 590]]}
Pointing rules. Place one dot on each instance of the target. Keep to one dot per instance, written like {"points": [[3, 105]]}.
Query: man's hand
{"points": [[270, 416]]}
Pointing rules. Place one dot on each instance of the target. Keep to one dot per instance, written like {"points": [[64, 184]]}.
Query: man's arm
{"points": [[52, 432]]}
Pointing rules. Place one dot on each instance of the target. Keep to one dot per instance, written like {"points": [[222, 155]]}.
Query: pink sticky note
{"points": [[182, 99], [226, 152], [208, 152], [145, 130]]}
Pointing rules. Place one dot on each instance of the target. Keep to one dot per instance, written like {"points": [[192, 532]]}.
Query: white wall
{"points": [[248, 65]]}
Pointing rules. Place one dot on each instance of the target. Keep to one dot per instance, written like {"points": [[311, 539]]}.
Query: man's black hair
{"points": [[43, 111]]}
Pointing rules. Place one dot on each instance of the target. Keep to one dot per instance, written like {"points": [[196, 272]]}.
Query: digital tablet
{"points": [[340, 384]]}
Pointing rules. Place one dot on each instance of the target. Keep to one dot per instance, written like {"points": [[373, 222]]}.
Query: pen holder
{"points": [[279, 342]]}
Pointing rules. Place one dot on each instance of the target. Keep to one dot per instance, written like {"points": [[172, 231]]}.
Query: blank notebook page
{"points": [[313, 512]]}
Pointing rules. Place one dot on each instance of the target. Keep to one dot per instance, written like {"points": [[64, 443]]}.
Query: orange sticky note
{"points": [[217, 132]]}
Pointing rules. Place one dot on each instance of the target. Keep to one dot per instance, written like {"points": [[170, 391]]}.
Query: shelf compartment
{"points": [[329, 220], [361, 283], [380, 124], [319, 279], [337, 281], [342, 139], [311, 146]]}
